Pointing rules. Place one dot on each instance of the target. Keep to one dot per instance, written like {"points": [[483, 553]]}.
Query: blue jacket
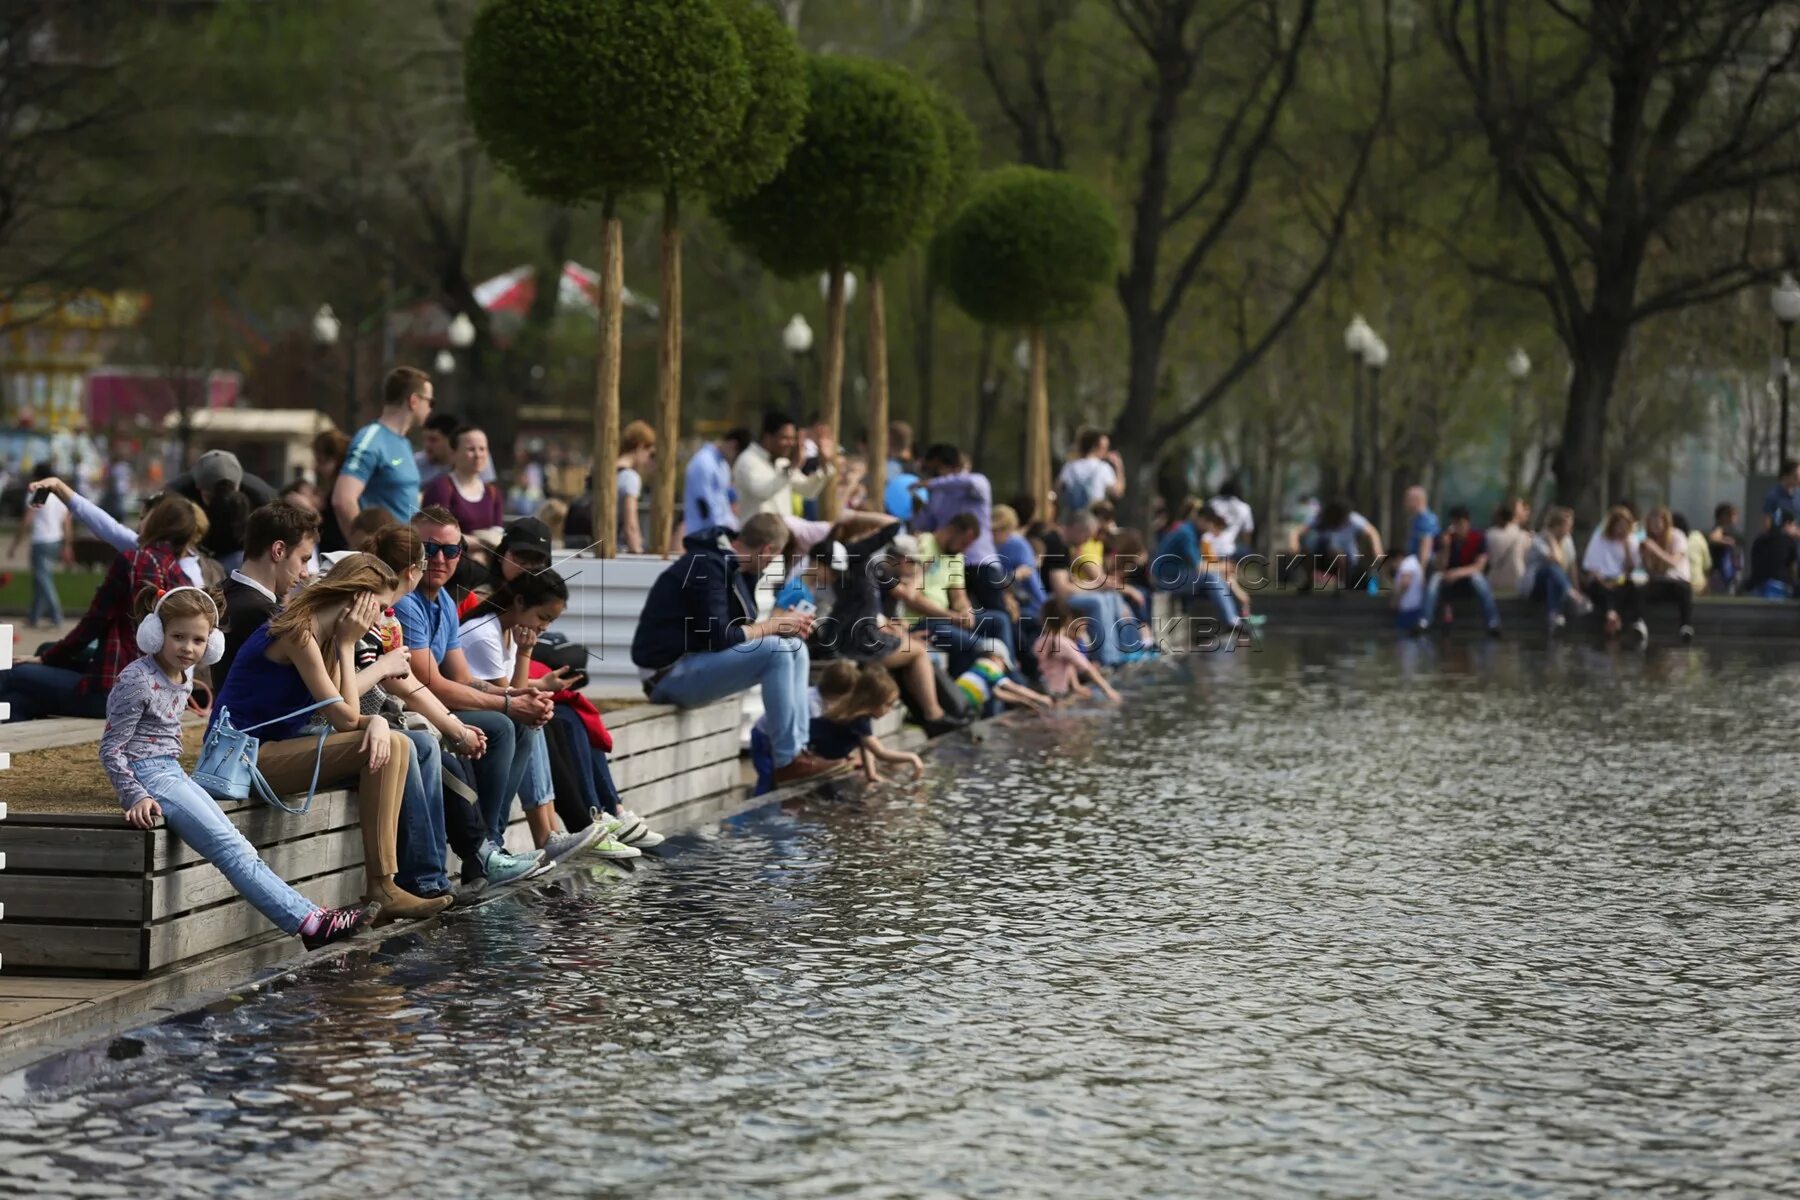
{"points": [[700, 604]]}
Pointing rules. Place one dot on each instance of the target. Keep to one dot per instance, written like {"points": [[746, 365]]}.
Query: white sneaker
{"points": [[638, 832], [562, 845], [606, 847], [1642, 630]]}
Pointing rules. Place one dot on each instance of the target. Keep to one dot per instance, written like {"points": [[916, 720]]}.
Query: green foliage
{"points": [[962, 148], [1031, 247], [752, 155], [863, 182], [582, 98]]}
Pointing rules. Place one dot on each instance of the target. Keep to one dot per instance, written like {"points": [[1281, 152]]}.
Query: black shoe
{"points": [[946, 724], [336, 924]]}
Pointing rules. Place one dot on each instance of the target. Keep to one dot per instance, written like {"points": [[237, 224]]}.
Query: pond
{"points": [[1325, 918]]}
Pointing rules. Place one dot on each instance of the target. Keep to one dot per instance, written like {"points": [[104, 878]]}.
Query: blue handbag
{"points": [[227, 766]]}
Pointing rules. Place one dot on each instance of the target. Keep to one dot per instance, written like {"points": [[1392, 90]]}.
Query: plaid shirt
{"points": [[109, 618]]}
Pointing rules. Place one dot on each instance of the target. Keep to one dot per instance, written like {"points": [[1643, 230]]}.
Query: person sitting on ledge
{"points": [[279, 540], [698, 639], [1665, 558], [1774, 560], [1461, 559], [1606, 568]]}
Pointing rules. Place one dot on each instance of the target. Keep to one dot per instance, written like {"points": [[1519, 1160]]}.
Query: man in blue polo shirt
{"points": [[512, 718], [1422, 534], [1784, 497], [379, 470]]}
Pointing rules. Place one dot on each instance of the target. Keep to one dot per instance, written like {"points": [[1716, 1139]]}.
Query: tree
{"points": [[588, 100], [1612, 129], [1031, 248], [1198, 104], [859, 187], [962, 147]]}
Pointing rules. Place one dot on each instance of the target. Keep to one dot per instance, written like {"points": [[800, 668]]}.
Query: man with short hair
{"points": [[379, 470], [952, 490], [1422, 533], [698, 639], [511, 718], [901, 478], [438, 453], [765, 475], [1462, 557], [279, 541], [1090, 476], [706, 496]]}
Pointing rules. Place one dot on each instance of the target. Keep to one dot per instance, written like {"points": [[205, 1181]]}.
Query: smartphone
{"points": [[40, 497]]}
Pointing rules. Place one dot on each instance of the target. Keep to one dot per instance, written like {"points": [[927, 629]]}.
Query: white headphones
{"points": [[150, 629]]}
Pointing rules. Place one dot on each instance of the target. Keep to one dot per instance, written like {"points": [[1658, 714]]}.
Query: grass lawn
{"points": [[77, 588]]}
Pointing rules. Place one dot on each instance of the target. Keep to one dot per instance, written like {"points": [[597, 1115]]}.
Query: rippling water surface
{"points": [[1378, 920]]}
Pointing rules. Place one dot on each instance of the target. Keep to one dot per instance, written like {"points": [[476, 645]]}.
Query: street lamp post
{"points": [[461, 335], [1518, 365], [797, 340], [1357, 339], [325, 330], [1375, 355], [1784, 301]]}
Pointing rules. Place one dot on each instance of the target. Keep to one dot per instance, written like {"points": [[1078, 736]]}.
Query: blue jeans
{"points": [[44, 600], [420, 844], [535, 789], [963, 646], [1197, 584], [197, 820], [780, 665], [499, 772], [35, 690], [1476, 585], [1101, 621], [1550, 587], [597, 787]]}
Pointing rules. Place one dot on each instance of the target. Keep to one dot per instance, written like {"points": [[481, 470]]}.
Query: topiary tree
{"points": [[963, 148], [585, 101], [1030, 248], [860, 185]]}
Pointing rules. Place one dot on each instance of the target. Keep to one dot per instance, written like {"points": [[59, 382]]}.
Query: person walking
{"points": [[637, 451], [51, 529], [706, 496], [379, 470]]}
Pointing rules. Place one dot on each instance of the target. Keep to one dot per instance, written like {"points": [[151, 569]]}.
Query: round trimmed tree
{"points": [[1030, 249], [586, 101], [859, 186]]}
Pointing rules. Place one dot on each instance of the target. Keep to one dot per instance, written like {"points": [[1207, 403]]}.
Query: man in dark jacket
{"points": [[698, 639]]}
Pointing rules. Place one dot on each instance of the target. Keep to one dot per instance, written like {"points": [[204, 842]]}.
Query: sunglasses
{"points": [[443, 550]]}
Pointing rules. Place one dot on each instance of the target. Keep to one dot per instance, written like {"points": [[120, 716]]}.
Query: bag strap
{"points": [[298, 712], [267, 793]]}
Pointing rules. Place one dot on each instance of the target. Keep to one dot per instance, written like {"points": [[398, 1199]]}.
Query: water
{"points": [[1379, 920]]}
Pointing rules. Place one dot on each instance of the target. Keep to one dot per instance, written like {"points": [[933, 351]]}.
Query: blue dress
{"points": [[257, 690]]}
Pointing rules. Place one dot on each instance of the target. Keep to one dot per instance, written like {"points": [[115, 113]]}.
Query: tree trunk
{"points": [[1037, 426], [878, 393], [831, 381], [987, 391], [1357, 496], [606, 403], [1131, 435], [1580, 463], [1378, 489], [668, 380], [925, 353]]}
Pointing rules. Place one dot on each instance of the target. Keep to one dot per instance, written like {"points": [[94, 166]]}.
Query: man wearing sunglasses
{"points": [[512, 718]]}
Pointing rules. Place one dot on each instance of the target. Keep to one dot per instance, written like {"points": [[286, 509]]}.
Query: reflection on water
{"points": [[1416, 920]]}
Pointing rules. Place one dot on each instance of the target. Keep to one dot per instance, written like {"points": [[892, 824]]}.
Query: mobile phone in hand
{"points": [[40, 497]]}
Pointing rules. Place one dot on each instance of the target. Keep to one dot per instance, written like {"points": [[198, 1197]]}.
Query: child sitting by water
{"points": [[848, 698], [1062, 667], [141, 751], [990, 686]]}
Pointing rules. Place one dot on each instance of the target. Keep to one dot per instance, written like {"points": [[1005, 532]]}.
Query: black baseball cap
{"points": [[527, 535]]}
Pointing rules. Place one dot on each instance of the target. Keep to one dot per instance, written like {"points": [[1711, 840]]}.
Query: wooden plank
{"points": [[641, 769], [679, 726], [18, 987], [116, 948], [194, 933], [106, 899], [202, 885], [264, 827], [66, 849], [665, 794], [25, 1010]]}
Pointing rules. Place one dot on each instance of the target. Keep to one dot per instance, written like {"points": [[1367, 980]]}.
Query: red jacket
{"points": [[598, 735]]}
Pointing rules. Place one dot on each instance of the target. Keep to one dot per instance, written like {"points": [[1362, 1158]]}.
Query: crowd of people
{"points": [[385, 623]]}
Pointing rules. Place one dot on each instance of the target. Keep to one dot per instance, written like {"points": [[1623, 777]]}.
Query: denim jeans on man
{"points": [[44, 600], [1201, 584], [35, 690], [779, 664], [1550, 587], [1437, 591], [420, 844], [197, 820], [1101, 620], [499, 772], [963, 645]]}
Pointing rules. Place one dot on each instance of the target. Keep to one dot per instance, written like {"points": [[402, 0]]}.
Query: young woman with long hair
{"points": [[305, 654]]}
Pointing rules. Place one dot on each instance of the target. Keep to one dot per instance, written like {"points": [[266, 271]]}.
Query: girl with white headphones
{"points": [[141, 751]]}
